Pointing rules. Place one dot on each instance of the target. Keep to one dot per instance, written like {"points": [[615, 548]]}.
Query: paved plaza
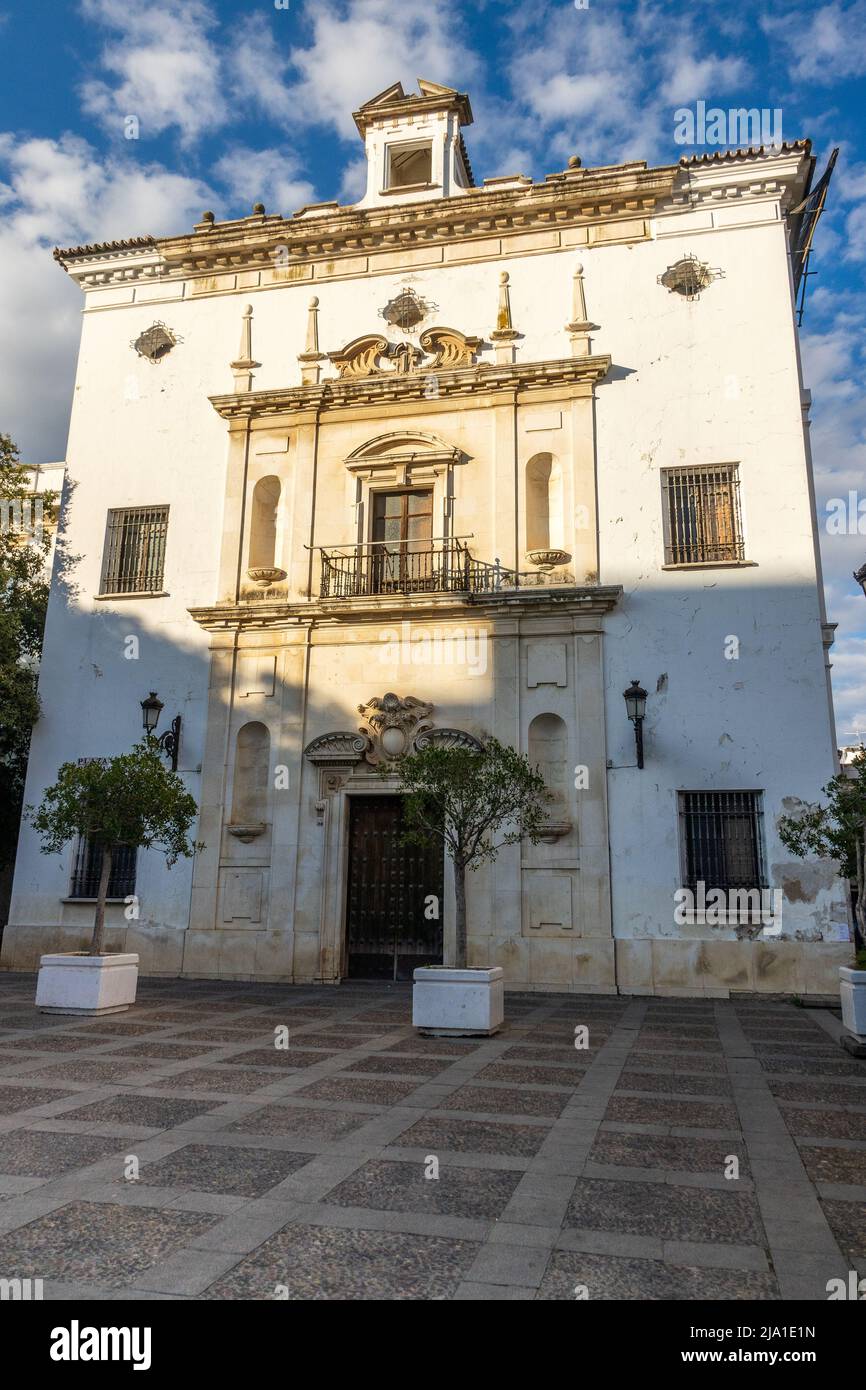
{"points": [[696, 1149]]}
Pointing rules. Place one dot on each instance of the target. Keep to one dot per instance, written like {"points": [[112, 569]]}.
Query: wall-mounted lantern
{"points": [[635, 704], [168, 742]]}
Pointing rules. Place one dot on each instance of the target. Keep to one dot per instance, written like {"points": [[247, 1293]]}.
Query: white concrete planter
{"points": [[80, 984], [458, 1001], [852, 988]]}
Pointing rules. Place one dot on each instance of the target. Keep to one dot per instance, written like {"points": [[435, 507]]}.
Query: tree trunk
{"points": [[460, 913], [96, 945]]}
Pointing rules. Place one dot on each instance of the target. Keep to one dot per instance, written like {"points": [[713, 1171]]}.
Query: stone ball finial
{"points": [[574, 161], [314, 302], [578, 269], [503, 277], [248, 310], [258, 207]]}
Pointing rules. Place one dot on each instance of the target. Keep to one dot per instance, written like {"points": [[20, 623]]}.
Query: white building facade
{"points": [[459, 460]]}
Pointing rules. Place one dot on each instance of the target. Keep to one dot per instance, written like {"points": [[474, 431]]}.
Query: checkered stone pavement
{"points": [[696, 1149]]}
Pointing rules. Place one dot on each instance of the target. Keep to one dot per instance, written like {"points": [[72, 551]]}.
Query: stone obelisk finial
{"points": [[504, 334], [244, 364], [310, 359], [580, 327]]}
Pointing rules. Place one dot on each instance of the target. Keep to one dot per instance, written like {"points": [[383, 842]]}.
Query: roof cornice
{"points": [[570, 199]]}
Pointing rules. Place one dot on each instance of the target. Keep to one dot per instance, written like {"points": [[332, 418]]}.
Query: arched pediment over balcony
{"points": [[403, 456]]}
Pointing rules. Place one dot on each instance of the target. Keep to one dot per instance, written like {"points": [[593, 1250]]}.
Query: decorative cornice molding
{"points": [[591, 601], [572, 198], [373, 390]]}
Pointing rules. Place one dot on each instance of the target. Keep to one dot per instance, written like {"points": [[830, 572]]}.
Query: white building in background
{"points": [[461, 459]]}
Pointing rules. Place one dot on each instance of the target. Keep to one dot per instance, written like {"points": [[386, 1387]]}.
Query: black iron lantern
{"points": [[635, 704], [151, 709], [168, 742]]}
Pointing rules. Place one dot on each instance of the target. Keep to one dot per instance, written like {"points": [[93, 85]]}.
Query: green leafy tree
{"points": [[23, 604], [836, 829], [466, 798], [131, 799]]}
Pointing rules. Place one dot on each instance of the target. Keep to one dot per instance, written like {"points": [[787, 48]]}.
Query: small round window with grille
{"points": [[688, 277], [406, 310], [155, 342]]}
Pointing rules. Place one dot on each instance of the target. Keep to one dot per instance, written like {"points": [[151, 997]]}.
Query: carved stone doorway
{"points": [[394, 898]]}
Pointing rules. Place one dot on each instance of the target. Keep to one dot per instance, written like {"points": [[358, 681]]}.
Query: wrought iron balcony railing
{"points": [[440, 565]]}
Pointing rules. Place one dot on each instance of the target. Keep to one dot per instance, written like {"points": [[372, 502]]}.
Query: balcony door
{"points": [[402, 554]]}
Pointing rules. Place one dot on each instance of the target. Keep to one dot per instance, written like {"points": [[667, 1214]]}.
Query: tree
{"points": [[464, 797], [129, 800], [837, 830], [23, 604]]}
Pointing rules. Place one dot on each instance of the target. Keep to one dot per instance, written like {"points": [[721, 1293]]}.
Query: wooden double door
{"points": [[394, 901]]}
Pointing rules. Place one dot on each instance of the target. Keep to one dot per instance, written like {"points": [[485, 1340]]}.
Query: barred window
{"points": [[702, 514], [134, 557], [88, 865], [723, 839]]}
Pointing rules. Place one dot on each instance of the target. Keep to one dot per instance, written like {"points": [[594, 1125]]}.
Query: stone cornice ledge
{"points": [[393, 386], [580, 600]]}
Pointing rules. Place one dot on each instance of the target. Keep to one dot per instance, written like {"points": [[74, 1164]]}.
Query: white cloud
{"points": [[357, 49], [825, 45], [270, 176], [61, 192], [166, 71]]}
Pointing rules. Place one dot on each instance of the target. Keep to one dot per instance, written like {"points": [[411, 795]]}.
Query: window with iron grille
{"points": [[87, 867], [702, 514], [722, 839], [134, 557]]}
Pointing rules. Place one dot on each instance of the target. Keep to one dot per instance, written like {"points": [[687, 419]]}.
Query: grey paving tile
{"points": [[847, 1221], [358, 1090], [16, 1098], [826, 1124], [399, 1186], [826, 1164], [41, 1155], [322, 1262], [301, 1121], [88, 1242], [657, 1111], [830, 1093], [242, 1172], [378, 1063], [609, 1277], [664, 1152], [235, 1081], [440, 1135], [505, 1101], [274, 1059], [665, 1211], [152, 1112]]}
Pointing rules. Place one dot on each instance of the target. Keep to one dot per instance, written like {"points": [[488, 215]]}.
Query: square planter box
{"points": [[80, 984], [469, 1002], [852, 990]]}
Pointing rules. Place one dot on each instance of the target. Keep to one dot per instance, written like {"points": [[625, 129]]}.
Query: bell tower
{"points": [[414, 145]]}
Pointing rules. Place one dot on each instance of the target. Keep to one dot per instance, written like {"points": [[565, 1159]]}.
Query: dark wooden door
{"points": [[389, 927]]}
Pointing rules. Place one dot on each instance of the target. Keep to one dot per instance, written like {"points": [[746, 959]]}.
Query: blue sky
{"points": [[239, 101]]}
